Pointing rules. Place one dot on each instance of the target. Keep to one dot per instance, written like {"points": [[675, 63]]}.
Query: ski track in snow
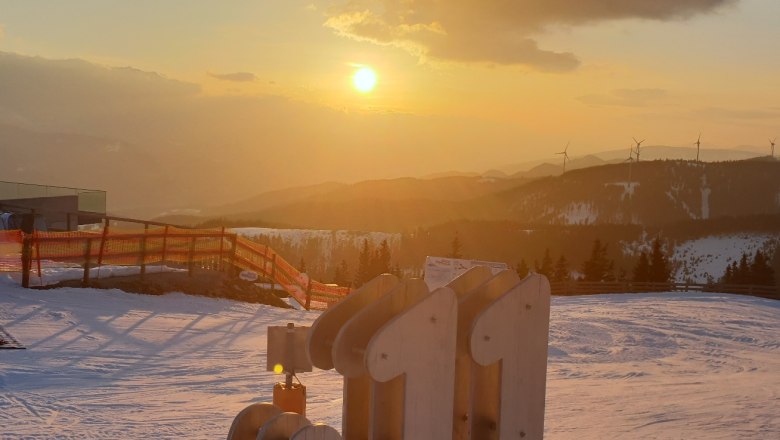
{"points": [[109, 364]]}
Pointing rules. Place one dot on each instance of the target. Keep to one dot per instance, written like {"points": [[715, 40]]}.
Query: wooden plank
{"points": [[417, 346], [476, 402], [325, 328], [248, 422], [282, 426], [470, 280], [355, 407], [353, 338], [316, 432], [350, 345], [463, 286], [322, 336], [513, 333]]}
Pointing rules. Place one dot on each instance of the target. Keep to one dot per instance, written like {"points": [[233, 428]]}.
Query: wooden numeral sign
{"points": [[467, 361]]}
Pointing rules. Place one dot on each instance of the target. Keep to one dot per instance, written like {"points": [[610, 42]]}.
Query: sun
{"points": [[364, 79]]}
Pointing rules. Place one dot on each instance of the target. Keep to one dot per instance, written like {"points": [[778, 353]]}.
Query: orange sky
{"points": [[490, 81]]}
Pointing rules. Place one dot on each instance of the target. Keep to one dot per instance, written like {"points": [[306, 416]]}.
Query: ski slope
{"points": [[108, 364]]}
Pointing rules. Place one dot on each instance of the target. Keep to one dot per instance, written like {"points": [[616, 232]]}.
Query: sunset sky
{"points": [[515, 79]]}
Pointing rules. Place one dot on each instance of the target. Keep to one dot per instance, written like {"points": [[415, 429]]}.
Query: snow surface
{"points": [[109, 364], [579, 213], [706, 258], [628, 188], [54, 272]]}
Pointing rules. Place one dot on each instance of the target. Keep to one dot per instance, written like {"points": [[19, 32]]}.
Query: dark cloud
{"points": [[493, 31], [627, 97], [235, 77]]}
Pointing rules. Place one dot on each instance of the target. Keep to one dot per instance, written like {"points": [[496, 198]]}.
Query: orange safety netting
{"points": [[204, 248], [10, 251]]}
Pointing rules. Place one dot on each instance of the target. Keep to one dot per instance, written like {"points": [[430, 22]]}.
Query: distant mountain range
{"points": [[648, 192]]}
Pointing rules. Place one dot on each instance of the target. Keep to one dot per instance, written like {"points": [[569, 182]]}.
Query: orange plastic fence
{"points": [[204, 248], [10, 251]]}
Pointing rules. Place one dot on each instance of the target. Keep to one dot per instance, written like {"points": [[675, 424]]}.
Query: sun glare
{"points": [[364, 79]]}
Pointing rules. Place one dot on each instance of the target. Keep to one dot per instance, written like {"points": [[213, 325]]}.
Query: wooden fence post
{"points": [[308, 295], [26, 259], [233, 250], [191, 255], [143, 251], [102, 245], [38, 254], [87, 258], [273, 269], [164, 247], [221, 248]]}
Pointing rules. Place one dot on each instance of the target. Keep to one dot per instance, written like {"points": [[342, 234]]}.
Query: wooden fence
{"points": [[209, 249], [570, 288]]}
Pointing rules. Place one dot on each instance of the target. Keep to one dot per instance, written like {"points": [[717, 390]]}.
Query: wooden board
{"points": [[419, 346], [470, 280], [513, 332], [351, 341], [475, 405], [316, 432], [248, 422], [349, 352], [324, 330], [355, 407], [282, 427]]}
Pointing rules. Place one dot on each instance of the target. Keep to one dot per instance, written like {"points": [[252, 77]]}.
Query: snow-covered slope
{"points": [[107, 364], [705, 259]]}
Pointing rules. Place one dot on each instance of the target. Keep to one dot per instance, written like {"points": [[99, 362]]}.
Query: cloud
{"points": [[627, 97], [235, 77], [493, 31]]}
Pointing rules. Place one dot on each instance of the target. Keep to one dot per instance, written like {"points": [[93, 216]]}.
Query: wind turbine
{"points": [[565, 156], [630, 161], [772, 143], [698, 145], [638, 146]]}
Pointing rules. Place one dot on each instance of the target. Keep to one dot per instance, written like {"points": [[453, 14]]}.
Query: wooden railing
{"points": [[570, 288], [217, 250]]}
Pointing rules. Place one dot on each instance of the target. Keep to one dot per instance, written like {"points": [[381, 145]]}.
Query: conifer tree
{"points": [[382, 262], [728, 276], [341, 274], [561, 272], [302, 266], [547, 267], [456, 247], [734, 273], [642, 269], [522, 269], [598, 267], [761, 271], [659, 265], [743, 271], [364, 262]]}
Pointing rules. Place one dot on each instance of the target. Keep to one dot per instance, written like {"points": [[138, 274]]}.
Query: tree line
{"points": [[599, 267], [758, 271]]}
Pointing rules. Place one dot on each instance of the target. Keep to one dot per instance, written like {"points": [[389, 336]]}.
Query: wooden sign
{"points": [[467, 361]]}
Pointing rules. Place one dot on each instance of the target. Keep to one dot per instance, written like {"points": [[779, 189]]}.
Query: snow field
{"points": [[108, 364]]}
